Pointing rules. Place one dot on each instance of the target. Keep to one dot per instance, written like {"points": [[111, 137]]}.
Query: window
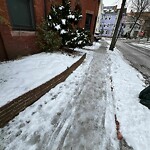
{"points": [[21, 14], [88, 21]]}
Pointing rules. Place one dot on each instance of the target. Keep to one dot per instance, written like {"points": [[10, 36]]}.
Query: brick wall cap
{"points": [[23, 33]]}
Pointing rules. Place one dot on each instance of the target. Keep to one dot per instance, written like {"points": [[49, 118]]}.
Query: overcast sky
{"points": [[115, 2], [111, 2]]}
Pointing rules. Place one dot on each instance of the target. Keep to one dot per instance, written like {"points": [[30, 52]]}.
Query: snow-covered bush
{"points": [[64, 21], [79, 38], [48, 40]]}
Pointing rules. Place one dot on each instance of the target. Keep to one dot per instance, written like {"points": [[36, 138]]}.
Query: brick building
{"points": [[19, 18]]}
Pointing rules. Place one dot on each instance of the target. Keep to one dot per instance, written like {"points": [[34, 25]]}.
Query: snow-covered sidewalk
{"points": [[79, 113]]}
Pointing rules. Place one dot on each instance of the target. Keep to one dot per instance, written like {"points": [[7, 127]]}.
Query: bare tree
{"points": [[138, 7]]}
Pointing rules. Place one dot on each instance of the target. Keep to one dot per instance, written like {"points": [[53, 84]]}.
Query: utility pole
{"points": [[113, 41]]}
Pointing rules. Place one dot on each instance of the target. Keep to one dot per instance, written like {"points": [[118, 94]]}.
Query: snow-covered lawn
{"points": [[32, 127], [20, 76]]}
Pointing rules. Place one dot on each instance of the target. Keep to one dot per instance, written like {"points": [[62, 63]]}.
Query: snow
{"points": [[74, 39], [71, 16], [61, 7], [84, 102], [80, 16], [50, 17], [144, 45], [79, 42], [57, 27], [63, 21], [63, 31], [35, 120], [20, 76], [95, 45], [133, 117]]}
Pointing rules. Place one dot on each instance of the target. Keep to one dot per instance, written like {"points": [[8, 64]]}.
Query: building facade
{"points": [[89, 12], [109, 19], [20, 19]]}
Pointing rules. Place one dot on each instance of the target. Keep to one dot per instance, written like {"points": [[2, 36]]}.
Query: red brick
{"points": [[14, 45]]}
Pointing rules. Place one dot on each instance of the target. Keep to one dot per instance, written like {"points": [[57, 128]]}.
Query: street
{"points": [[138, 57]]}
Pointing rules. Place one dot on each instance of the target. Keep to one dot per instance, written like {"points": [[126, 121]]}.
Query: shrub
{"points": [[79, 38], [65, 21], [48, 40]]}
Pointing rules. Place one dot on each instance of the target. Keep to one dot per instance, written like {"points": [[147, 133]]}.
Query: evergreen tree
{"points": [[64, 21], [48, 40]]}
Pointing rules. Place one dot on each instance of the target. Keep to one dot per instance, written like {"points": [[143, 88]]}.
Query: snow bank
{"points": [[134, 117]]}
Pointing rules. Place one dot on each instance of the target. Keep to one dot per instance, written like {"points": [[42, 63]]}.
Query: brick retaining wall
{"points": [[13, 108]]}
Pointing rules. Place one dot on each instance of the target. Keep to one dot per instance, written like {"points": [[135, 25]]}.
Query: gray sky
{"points": [[115, 2], [111, 2]]}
